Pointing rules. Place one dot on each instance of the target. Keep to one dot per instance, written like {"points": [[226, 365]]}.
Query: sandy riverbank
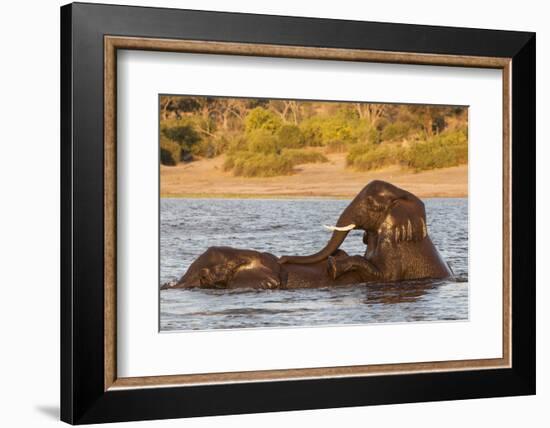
{"points": [[205, 178]]}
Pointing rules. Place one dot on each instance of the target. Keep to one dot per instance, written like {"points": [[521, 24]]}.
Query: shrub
{"points": [[262, 141], [381, 123], [423, 156], [206, 148], [395, 131], [343, 127], [290, 136], [221, 144], [319, 131], [357, 151], [301, 156], [170, 152], [237, 144], [444, 150], [229, 162], [183, 133], [248, 164], [265, 164], [338, 128], [260, 118], [311, 130], [372, 136], [366, 157], [213, 146]]}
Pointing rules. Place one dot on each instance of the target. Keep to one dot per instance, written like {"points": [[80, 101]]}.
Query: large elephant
{"points": [[398, 244], [398, 248]]}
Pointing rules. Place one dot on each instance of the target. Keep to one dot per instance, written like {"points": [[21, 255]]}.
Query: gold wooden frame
{"points": [[113, 43]]}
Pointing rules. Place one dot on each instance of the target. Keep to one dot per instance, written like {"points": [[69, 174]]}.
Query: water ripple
{"points": [[190, 226]]}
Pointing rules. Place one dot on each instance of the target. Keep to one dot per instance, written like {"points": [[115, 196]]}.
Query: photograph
{"points": [[282, 213], [262, 211]]}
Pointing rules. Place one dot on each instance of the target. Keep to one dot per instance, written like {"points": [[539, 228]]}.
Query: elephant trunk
{"points": [[341, 230], [332, 245]]}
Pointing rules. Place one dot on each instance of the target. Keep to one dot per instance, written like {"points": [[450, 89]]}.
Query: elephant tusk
{"points": [[340, 229]]}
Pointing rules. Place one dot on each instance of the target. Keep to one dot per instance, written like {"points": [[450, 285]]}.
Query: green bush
{"points": [[343, 127], [312, 132], [237, 144], [290, 136], [424, 156], [449, 148], [264, 164], [338, 128], [444, 150], [214, 146], [206, 148], [372, 136], [397, 131], [301, 156], [262, 141], [170, 152], [260, 118], [184, 134], [366, 157], [248, 164]]}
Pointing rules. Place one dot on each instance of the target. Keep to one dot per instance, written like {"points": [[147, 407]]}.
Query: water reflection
{"points": [[389, 293]]}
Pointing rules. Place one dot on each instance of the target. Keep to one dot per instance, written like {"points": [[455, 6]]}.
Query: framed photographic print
{"points": [[266, 213]]}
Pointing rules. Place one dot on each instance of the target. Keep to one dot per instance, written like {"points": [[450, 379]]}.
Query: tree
{"points": [[260, 118], [370, 112], [185, 136], [176, 105], [288, 110], [170, 152], [430, 118], [290, 136], [165, 103], [231, 108]]}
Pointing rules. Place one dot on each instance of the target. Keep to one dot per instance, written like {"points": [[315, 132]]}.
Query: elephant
{"points": [[398, 245], [395, 233], [230, 268]]}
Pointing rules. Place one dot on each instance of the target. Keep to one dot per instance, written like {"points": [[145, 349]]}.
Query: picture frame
{"points": [[91, 391]]}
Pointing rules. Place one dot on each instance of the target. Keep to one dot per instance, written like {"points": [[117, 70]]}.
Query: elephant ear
{"points": [[405, 221]]}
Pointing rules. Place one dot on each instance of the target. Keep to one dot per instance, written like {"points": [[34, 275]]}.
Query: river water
{"points": [[294, 226]]}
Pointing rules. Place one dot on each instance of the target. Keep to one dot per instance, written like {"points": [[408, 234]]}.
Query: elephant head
{"points": [[393, 214]]}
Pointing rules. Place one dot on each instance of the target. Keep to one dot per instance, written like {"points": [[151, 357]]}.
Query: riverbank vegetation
{"points": [[265, 138]]}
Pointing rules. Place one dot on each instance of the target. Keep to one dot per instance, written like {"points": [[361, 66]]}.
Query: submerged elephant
{"points": [[229, 268], [398, 248]]}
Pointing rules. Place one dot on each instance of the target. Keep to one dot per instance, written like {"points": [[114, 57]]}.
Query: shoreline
{"points": [[205, 179], [279, 196]]}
